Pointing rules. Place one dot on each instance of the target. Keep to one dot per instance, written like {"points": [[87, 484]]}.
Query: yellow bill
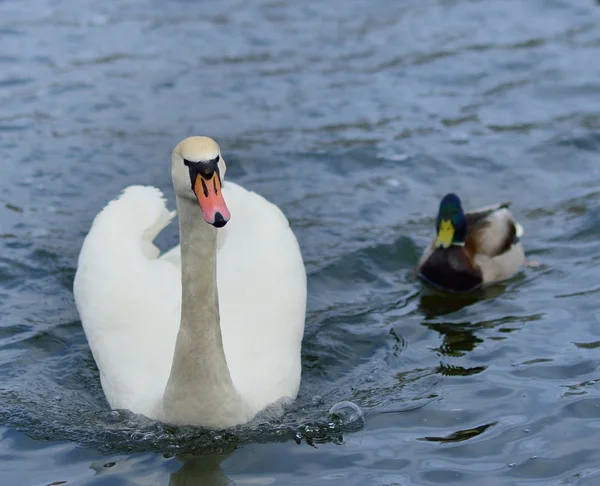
{"points": [[445, 234]]}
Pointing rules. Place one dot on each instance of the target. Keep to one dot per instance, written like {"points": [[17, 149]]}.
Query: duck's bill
{"points": [[209, 195], [445, 234]]}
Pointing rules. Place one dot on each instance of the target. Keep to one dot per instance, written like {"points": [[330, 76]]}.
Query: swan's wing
{"points": [[262, 295], [129, 301], [173, 256]]}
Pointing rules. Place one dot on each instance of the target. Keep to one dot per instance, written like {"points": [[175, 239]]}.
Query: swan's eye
{"points": [[206, 169], [207, 164]]}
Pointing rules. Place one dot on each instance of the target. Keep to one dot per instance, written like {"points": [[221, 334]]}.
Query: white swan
{"points": [[166, 356]]}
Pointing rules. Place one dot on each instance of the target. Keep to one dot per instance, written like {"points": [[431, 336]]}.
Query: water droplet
{"points": [[40, 233], [318, 400], [347, 414], [97, 20], [135, 436], [397, 157]]}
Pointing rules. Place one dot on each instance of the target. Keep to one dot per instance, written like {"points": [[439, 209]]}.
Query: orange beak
{"points": [[209, 195]]}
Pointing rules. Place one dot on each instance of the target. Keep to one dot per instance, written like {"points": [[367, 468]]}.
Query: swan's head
{"points": [[197, 169]]}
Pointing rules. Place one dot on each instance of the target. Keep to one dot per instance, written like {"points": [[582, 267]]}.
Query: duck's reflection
{"points": [[459, 334], [435, 303]]}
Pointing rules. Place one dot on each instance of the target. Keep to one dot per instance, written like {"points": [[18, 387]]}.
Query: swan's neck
{"points": [[199, 390]]}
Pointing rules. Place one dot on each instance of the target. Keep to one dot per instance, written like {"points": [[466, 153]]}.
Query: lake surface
{"points": [[355, 117]]}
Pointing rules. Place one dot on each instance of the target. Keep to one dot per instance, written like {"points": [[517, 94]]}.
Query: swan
{"points": [[210, 332]]}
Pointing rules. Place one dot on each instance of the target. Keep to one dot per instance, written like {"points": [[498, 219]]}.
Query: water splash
{"points": [[347, 415]]}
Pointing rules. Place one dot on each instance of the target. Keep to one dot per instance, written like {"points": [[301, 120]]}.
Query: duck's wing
{"points": [[492, 230]]}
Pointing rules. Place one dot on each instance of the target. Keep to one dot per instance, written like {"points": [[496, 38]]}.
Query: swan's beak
{"points": [[210, 197]]}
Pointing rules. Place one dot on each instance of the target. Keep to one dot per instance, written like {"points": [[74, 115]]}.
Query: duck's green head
{"points": [[451, 223]]}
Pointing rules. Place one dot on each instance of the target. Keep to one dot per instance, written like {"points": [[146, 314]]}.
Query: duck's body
{"points": [[472, 249], [130, 303]]}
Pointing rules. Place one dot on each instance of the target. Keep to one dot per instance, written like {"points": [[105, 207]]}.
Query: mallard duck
{"points": [[472, 249]]}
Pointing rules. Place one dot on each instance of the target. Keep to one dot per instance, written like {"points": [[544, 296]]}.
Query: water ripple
{"points": [[355, 121]]}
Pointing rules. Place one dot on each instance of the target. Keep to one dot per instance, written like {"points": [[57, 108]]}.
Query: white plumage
{"points": [[129, 300]]}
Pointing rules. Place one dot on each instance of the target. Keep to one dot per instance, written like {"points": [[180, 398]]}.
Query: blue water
{"points": [[355, 117]]}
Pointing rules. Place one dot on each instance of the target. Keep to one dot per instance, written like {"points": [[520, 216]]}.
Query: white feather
{"points": [[129, 300]]}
